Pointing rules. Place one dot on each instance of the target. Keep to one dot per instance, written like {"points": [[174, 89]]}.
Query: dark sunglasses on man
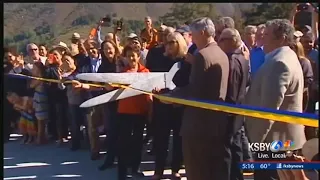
{"points": [[34, 49]]}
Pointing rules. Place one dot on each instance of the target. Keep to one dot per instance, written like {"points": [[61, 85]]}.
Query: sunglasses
{"points": [[35, 49]]}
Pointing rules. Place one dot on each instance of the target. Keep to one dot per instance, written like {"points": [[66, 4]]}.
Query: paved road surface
{"points": [[51, 162]]}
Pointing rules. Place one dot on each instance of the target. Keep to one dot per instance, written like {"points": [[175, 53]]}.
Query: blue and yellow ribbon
{"points": [[256, 112]]}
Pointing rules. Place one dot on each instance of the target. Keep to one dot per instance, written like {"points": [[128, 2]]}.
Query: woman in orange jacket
{"points": [[132, 115]]}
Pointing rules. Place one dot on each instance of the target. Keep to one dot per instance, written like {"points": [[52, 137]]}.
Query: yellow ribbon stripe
{"points": [[55, 80], [234, 110]]}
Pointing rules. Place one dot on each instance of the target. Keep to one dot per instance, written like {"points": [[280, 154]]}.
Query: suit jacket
{"points": [[208, 81], [237, 83], [278, 84]]}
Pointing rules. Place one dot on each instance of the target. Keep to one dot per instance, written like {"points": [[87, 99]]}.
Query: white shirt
{"points": [[30, 62], [43, 60]]}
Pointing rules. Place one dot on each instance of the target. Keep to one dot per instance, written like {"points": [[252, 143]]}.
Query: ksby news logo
{"points": [[275, 146]]}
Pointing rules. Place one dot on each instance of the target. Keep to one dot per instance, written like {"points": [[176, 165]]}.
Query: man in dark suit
{"points": [[203, 131], [230, 42]]}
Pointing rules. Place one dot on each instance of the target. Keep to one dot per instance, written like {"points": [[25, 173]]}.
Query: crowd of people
{"points": [[271, 65]]}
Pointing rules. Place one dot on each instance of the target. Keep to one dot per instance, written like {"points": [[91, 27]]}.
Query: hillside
{"points": [[57, 21]]}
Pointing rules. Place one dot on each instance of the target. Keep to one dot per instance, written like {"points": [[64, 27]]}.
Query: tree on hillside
{"points": [[182, 12], [42, 29], [7, 40], [131, 26], [267, 11], [55, 31], [84, 20], [135, 25]]}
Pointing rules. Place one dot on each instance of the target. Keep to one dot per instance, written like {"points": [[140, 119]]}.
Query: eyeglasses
{"points": [[35, 49]]}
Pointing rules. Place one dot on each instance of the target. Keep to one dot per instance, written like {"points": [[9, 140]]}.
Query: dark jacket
{"points": [[181, 78], [192, 48], [19, 85], [237, 82], [157, 62], [55, 94], [9, 114], [84, 66], [105, 67]]}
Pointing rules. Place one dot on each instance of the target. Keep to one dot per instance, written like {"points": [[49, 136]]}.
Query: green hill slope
{"points": [[53, 22]]}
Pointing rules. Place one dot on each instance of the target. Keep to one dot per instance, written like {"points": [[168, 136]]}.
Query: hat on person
{"points": [[298, 34], [61, 45], [132, 35], [183, 29], [162, 28], [310, 149], [75, 36]]}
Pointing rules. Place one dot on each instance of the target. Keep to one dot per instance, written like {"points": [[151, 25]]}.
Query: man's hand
{"points": [[63, 80], [20, 59], [148, 27], [76, 84], [156, 90], [159, 91], [60, 71], [108, 87], [13, 98], [245, 52]]}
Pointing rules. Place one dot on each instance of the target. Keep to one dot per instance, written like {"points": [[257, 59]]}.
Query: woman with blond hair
{"points": [[168, 117]]}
